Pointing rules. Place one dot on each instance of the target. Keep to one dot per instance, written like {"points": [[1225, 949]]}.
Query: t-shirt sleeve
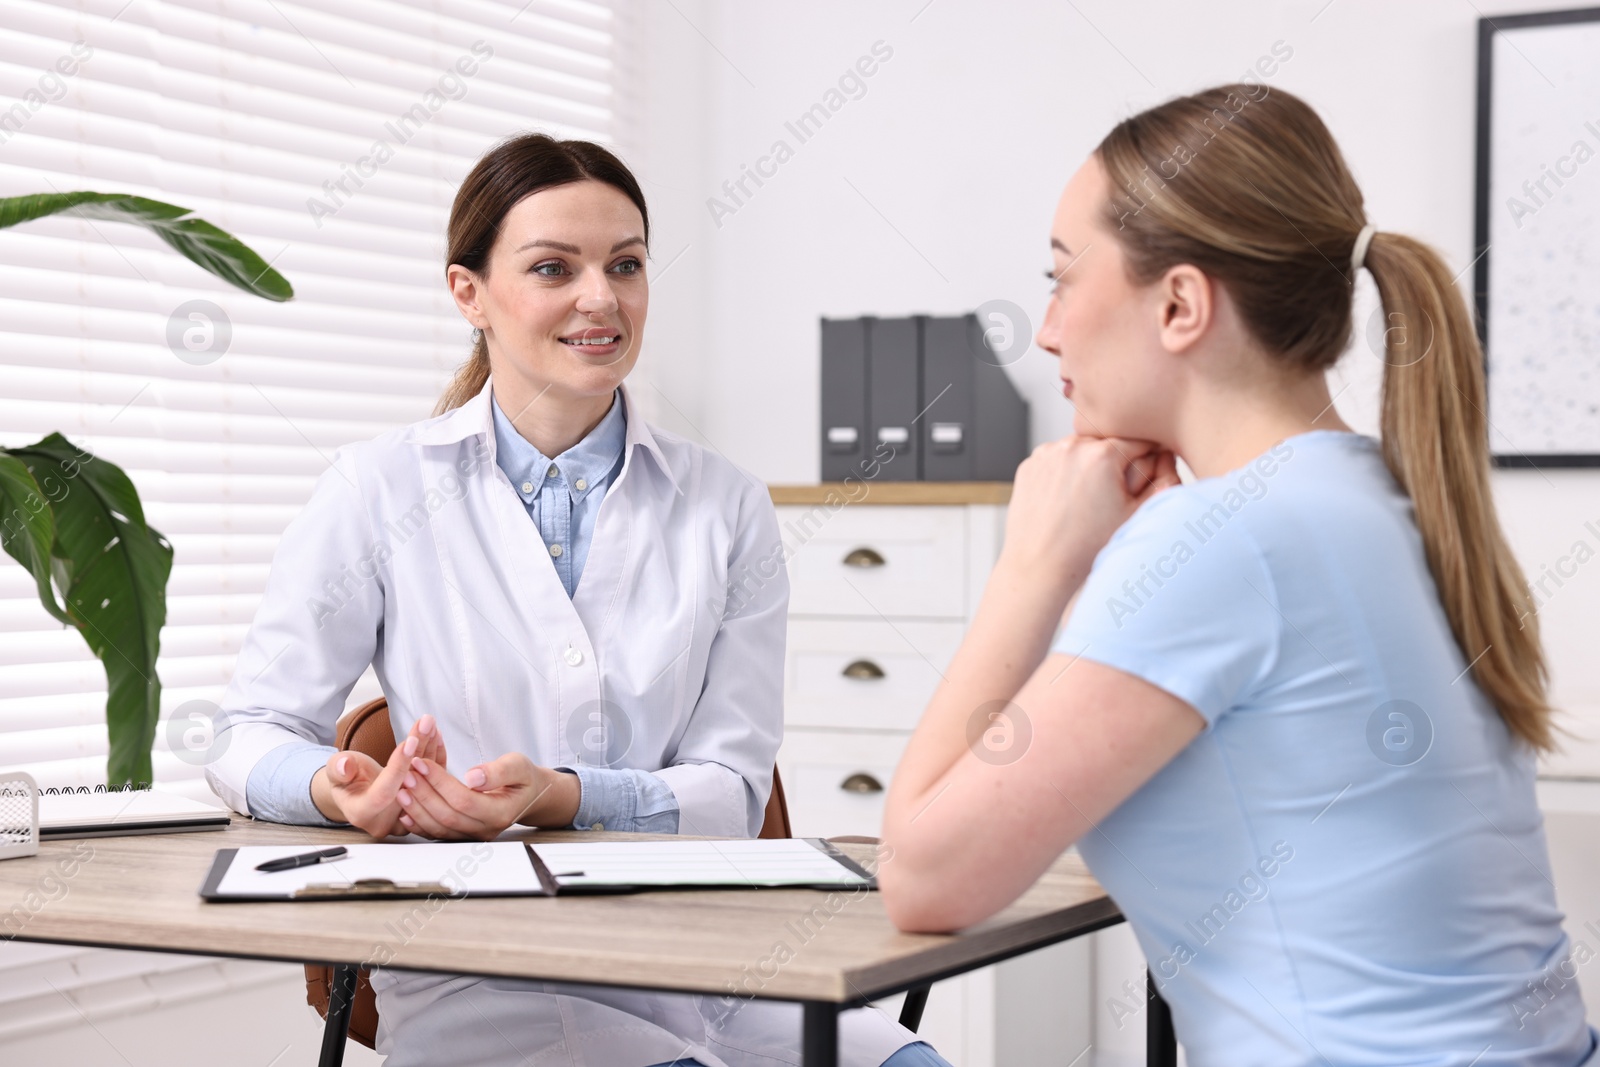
{"points": [[1181, 597]]}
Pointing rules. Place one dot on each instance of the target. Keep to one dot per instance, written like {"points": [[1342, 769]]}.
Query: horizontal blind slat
{"points": [[226, 399], [147, 451]]}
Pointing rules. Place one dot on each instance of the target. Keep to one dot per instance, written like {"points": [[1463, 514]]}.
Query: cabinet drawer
{"points": [[905, 561], [865, 674], [835, 782]]}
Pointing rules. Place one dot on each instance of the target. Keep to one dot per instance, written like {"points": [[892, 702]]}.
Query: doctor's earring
{"points": [[477, 335]]}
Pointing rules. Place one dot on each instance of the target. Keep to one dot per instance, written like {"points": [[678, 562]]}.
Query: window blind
{"points": [[330, 137]]}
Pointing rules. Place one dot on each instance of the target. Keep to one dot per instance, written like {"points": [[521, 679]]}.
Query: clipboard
{"points": [[380, 870]]}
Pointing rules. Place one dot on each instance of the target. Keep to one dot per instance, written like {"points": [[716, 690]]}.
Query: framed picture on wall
{"points": [[1537, 272]]}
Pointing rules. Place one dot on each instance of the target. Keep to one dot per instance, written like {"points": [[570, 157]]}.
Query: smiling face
{"points": [[563, 299], [1104, 329]]}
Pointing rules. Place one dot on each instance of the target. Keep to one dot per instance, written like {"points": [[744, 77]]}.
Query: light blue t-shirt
{"points": [[1348, 865]]}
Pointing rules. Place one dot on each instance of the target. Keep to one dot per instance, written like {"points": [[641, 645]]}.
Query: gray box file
{"points": [[844, 398], [975, 424], [925, 387], [894, 397]]}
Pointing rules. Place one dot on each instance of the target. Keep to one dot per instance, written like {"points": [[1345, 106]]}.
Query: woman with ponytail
{"points": [[1289, 710]]}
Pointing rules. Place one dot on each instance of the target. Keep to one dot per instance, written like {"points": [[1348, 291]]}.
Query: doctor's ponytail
{"points": [[1248, 185], [469, 378], [508, 172]]}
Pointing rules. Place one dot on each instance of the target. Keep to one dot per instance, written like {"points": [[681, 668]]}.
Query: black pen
{"points": [[306, 859]]}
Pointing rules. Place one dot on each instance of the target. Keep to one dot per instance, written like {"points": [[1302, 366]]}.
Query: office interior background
{"points": [[928, 188]]}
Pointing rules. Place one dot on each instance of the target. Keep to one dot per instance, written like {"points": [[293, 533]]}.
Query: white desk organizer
{"points": [[19, 815]]}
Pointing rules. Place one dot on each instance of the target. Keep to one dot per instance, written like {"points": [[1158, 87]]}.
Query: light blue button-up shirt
{"points": [[563, 498], [563, 494]]}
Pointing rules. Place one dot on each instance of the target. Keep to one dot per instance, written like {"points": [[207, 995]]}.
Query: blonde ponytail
{"points": [[1435, 442]]}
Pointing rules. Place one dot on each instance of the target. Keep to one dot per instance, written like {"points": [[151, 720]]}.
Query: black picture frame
{"points": [[1488, 27]]}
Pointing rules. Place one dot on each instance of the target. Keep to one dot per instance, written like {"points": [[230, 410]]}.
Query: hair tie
{"points": [[1359, 255]]}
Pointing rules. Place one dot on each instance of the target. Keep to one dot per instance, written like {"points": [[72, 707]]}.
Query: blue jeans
{"points": [[917, 1054]]}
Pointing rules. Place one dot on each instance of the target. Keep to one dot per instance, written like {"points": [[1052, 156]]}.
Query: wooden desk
{"points": [[142, 893]]}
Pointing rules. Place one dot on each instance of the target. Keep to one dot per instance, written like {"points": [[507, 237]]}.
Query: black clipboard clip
{"points": [[372, 887]]}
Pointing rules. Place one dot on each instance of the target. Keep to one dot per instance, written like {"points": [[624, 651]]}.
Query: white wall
{"points": [[933, 193]]}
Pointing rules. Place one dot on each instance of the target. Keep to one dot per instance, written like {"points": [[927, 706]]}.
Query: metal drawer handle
{"points": [[861, 782], [863, 668], [863, 557]]}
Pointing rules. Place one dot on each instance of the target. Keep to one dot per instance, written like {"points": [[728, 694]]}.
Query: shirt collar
{"points": [[581, 467], [475, 418]]}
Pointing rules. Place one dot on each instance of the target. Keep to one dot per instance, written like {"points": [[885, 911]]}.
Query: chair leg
{"points": [[341, 999], [911, 1011], [1161, 1044]]}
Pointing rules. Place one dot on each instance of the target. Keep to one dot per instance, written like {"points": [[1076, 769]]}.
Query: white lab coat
{"points": [[416, 555]]}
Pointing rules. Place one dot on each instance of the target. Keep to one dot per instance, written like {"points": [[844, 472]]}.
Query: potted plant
{"points": [[75, 520]]}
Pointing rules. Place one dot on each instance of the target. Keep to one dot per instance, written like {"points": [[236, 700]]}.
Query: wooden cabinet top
{"points": [[880, 492]]}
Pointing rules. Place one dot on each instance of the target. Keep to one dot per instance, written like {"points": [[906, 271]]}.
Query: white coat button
{"points": [[555, 550], [574, 657], [553, 471], [581, 484], [527, 487], [598, 826]]}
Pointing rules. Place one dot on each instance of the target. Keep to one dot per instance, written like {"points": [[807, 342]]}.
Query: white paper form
{"points": [[767, 862], [466, 866]]}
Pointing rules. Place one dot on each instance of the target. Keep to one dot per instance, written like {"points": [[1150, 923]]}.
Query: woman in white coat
{"points": [[542, 584]]}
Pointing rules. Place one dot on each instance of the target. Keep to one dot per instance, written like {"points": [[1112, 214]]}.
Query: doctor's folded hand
{"points": [[357, 789], [493, 796], [414, 793]]}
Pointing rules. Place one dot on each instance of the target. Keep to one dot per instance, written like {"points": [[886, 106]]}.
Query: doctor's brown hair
{"points": [[1249, 186], [509, 171]]}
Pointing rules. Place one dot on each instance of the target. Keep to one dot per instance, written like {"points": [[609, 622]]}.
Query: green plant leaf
{"points": [[113, 569], [28, 527], [216, 250]]}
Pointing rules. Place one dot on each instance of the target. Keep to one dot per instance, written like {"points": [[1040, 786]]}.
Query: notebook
{"points": [[516, 868], [69, 812]]}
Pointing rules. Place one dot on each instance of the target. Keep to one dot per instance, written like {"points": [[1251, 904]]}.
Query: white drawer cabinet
{"points": [[864, 674], [866, 560], [835, 782], [881, 592]]}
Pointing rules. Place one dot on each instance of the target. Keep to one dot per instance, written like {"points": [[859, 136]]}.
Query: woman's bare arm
{"points": [[1020, 753]]}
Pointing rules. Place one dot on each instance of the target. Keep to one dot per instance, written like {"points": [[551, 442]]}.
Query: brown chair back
{"points": [[367, 729]]}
